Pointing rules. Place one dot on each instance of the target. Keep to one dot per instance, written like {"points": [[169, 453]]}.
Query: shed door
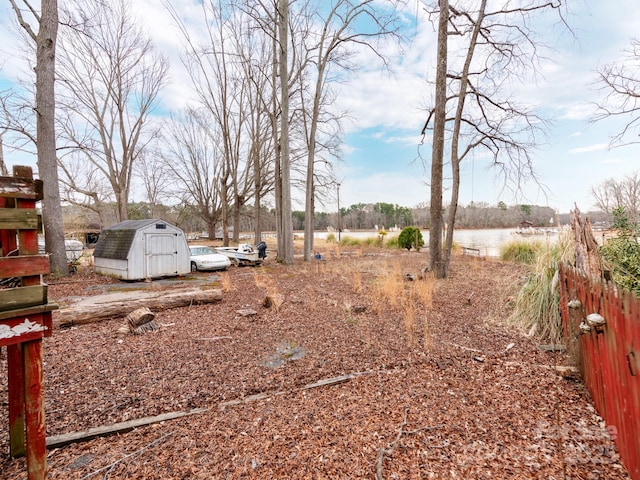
{"points": [[162, 254]]}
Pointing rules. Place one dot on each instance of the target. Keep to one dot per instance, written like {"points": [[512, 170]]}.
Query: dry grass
{"points": [[225, 282], [273, 297], [357, 281], [393, 294]]}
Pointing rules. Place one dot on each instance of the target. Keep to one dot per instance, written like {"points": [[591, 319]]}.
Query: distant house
{"points": [[525, 224], [140, 249]]}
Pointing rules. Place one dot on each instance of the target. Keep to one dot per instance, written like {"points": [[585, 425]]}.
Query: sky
{"points": [[383, 160]]}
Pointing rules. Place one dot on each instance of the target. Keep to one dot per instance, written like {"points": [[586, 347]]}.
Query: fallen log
{"points": [[57, 441], [119, 304]]}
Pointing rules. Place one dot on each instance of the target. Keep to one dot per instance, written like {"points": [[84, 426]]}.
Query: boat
{"points": [[245, 254]]}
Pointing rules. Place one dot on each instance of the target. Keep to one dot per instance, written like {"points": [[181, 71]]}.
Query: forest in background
{"points": [[355, 217]]}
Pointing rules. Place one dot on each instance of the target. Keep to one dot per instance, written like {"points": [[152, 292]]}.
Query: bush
{"points": [[411, 237], [622, 255], [331, 238]]}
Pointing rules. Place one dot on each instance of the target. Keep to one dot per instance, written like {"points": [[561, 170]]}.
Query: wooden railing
{"points": [[25, 316], [602, 327]]}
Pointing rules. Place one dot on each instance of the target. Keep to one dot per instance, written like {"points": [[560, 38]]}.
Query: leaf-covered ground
{"points": [[438, 386]]}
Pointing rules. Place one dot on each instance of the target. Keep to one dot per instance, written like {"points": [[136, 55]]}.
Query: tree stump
{"points": [[586, 246], [140, 321]]}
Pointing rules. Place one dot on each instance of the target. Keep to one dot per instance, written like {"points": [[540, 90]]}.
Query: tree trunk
{"points": [[119, 305], [586, 247], [257, 225], [46, 136], [224, 199], [123, 204], [236, 219], [436, 261], [455, 137], [3, 166], [286, 239]]}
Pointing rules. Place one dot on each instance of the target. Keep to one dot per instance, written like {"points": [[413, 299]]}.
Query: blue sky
{"points": [[387, 109]]}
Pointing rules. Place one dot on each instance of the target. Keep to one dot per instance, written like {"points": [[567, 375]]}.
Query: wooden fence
{"points": [[602, 327], [25, 316]]}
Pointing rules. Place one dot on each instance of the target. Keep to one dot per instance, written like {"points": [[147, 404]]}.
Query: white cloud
{"points": [[590, 148]]}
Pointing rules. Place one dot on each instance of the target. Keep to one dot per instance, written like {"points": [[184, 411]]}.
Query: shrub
{"points": [[622, 254], [411, 237], [331, 238]]}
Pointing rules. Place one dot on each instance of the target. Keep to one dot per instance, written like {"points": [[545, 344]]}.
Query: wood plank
{"points": [[16, 187], [22, 297], [329, 381], [24, 266], [17, 444], [34, 410], [28, 311], [57, 441], [18, 218], [25, 328]]}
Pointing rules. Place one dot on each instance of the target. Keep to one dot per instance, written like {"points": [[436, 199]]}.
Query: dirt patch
{"points": [[428, 387]]}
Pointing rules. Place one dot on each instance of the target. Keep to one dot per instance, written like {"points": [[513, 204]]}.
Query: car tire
{"points": [[194, 267]]}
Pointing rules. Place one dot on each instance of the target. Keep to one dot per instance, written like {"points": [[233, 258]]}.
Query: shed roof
{"points": [[115, 241]]}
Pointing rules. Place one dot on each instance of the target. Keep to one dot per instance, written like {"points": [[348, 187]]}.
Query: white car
{"points": [[205, 258]]}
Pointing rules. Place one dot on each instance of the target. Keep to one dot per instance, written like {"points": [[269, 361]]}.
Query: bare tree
{"points": [[620, 82], [625, 193], [84, 186], [499, 46], [110, 78], [194, 160], [45, 41], [150, 168], [227, 71], [285, 223], [329, 48], [437, 264]]}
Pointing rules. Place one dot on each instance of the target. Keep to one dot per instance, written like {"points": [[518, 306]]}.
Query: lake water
{"points": [[488, 240]]}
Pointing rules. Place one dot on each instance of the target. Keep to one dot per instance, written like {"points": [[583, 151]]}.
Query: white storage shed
{"points": [[140, 249]]}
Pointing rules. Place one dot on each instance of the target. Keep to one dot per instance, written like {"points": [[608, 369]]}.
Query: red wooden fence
{"points": [[608, 355], [25, 316]]}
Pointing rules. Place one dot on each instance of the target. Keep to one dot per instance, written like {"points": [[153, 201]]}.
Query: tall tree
{"points": [[45, 40], [498, 47], [285, 220], [110, 77], [436, 262], [228, 71], [328, 52], [194, 161]]}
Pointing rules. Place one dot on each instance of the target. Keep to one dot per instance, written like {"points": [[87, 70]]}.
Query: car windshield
{"points": [[202, 250]]}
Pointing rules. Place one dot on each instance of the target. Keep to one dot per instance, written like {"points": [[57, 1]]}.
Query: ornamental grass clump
{"points": [[521, 251], [537, 305]]}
